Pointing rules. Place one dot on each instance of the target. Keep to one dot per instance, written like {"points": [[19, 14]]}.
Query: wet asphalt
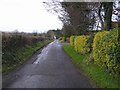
{"points": [[50, 68]]}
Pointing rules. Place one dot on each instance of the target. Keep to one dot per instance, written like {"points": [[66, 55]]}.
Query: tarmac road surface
{"points": [[52, 68]]}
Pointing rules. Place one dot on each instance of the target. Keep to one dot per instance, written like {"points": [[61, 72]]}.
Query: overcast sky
{"points": [[26, 16]]}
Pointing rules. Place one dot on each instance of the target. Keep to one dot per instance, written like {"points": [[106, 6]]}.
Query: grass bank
{"points": [[96, 74], [16, 57]]}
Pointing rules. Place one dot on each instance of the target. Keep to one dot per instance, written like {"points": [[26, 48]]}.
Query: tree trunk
{"points": [[108, 16], [100, 17]]}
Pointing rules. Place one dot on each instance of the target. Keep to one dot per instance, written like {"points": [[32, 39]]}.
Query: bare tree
{"points": [[79, 18]]}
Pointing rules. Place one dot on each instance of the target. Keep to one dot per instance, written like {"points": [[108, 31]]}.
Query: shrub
{"points": [[62, 39], [76, 44], [12, 43], [97, 45], [106, 50], [72, 38], [82, 44]]}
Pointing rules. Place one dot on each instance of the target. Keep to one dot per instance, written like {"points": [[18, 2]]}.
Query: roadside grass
{"points": [[20, 55], [98, 76]]}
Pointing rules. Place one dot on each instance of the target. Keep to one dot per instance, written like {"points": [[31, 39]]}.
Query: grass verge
{"points": [[18, 56], [96, 74]]}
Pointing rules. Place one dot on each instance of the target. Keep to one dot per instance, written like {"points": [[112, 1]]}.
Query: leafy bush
{"points": [[81, 44], [64, 39], [17, 48], [106, 50], [12, 43], [97, 45], [61, 39], [72, 38]]}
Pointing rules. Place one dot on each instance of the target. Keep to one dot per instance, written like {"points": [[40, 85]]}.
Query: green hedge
{"points": [[72, 38], [12, 43], [81, 44], [106, 50], [62, 39]]}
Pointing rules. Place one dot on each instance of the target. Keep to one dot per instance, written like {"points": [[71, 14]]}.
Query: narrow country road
{"points": [[51, 69]]}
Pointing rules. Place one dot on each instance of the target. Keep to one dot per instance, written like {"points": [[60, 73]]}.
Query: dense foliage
{"points": [[106, 50], [72, 38], [98, 75], [97, 45], [16, 48], [13, 42], [81, 44]]}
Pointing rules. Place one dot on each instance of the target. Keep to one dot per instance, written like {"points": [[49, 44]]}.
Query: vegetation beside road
{"points": [[98, 76], [19, 48], [104, 47]]}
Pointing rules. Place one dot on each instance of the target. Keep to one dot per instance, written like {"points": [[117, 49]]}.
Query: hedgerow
{"points": [[13, 42], [62, 39], [97, 45], [106, 50], [72, 38], [81, 44]]}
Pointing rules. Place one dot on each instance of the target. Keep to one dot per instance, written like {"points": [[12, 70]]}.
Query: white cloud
{"points": [[27, 16]]}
